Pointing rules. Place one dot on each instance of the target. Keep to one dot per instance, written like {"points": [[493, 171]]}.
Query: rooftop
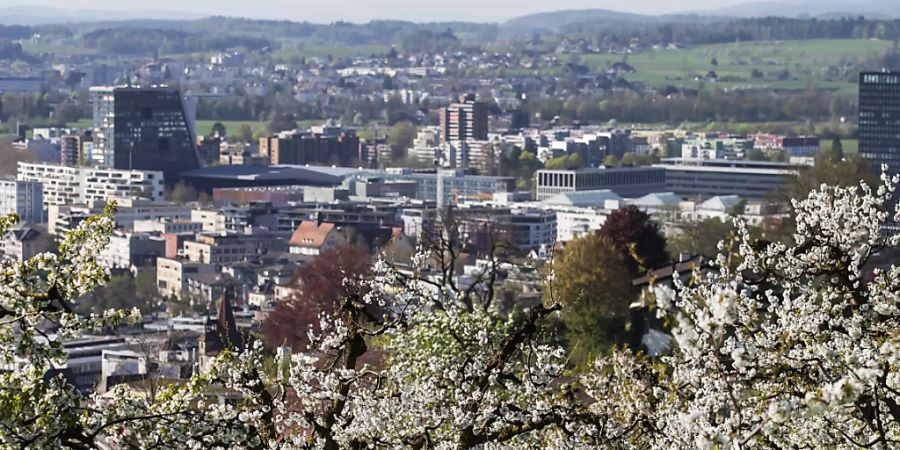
{"points": [[583, 198]]}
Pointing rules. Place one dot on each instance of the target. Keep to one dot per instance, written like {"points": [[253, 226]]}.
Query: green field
{"points": [[851, 146], [820, 63], [204, 127]]}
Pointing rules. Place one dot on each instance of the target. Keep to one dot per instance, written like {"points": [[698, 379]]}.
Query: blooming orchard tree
{"points": [[38, 411], [778, 346]]}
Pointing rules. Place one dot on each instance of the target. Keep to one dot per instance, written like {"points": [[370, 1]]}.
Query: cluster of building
{"points": [[300, 194]]}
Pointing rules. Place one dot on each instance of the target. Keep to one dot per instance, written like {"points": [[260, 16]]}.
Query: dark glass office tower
{"points": [[879, 119], [143, 129]]}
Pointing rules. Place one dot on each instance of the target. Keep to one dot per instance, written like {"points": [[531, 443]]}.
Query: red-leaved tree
{"points": [[629, 226], [331, 277]]}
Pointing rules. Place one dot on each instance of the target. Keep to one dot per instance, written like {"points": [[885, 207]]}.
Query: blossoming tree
{"points": [[782, 345]]}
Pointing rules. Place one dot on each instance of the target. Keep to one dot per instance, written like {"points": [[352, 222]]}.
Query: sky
{"points": [[325, 11]]}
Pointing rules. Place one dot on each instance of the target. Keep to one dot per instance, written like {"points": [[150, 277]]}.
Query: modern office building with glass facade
{"points": [[879, 119], [143, 129]]}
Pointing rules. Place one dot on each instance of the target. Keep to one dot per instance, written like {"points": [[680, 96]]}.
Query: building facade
{"points": [[464, 120], [624, 181], [879, 119], [172, 274], [330, 147], [64, 185], [23, 197], [143, 129], [753, 180], [126, 250], [62, 218]]}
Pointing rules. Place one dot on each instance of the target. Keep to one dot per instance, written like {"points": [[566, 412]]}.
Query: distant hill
{"points": [[33, 15], [556, 20], [813, 8]]}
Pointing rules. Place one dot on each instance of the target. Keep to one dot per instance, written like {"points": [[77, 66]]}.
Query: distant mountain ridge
{"points": [[554, 20], [551, 21], [813, 8], [33, 15]]}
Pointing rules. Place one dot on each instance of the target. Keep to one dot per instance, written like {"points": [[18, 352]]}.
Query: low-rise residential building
{"points": [[528, 229], [231, 248], [172, 274], [126, 250], [312, 239], [211, 220], [23, 242], [62, 218], [166, 225]]}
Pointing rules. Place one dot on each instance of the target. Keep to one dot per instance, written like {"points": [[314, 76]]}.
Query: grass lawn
{"points": [[820, 63], [851, 146], [204, 127]]}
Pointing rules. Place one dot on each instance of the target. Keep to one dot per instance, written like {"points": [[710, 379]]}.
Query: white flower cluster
{"points": [[783, 346]]}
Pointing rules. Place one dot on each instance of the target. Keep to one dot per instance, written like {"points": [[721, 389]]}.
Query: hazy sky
{"points": [[364, 10]]}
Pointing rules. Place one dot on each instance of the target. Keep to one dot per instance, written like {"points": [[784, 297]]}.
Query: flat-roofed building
{"points": [[61, 218], [64, 185], [231, 248], [754, 180], [172, 274], [624, 181]]}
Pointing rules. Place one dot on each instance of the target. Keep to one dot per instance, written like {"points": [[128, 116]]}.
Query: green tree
{"points": [[146, 290], [245, 133], [594, 286], [837, 148], [572, 161], [611, 161], [830, 168], [700, 238], [282, 122], [756, 154], [218, 128], [521, 165], [402, 135], [181, 193], [121, 292], [638, 159]]}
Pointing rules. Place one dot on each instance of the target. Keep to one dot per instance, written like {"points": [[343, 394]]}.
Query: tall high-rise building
{"points": [[143, 129], [879, 119], [69, 150], [464, 120]]}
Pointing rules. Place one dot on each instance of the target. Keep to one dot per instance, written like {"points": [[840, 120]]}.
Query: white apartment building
{"points": [[211, 220], [578, 222], [426, 147], [25, 198], [65, 185], [167, 225], [172, 274], [61, 218]]}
